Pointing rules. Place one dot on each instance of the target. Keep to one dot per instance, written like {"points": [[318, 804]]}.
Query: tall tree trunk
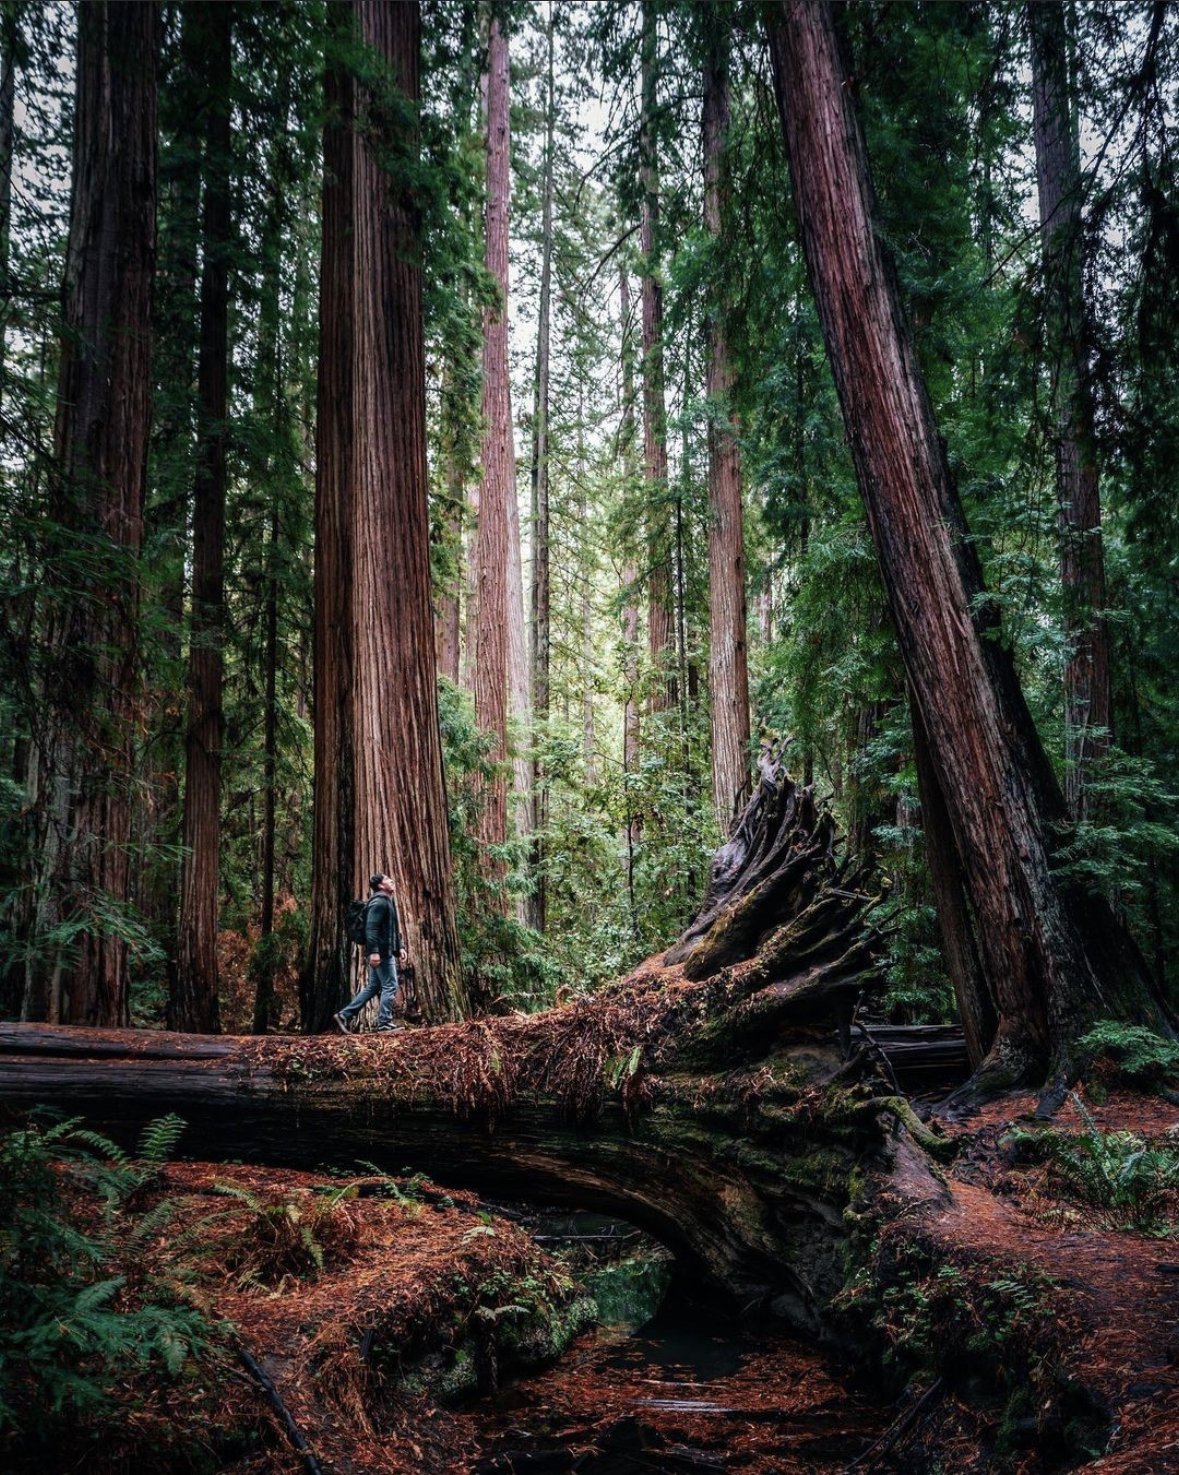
{"points": [[324, 984], [1052, 957], [270, 403], [540, 505], [376, 691], [264, 989], [492, 542], [728, 664], [176, 317], [100, 443], [630, 609], [1088, 705], [660, 628], [193, 1002], [9, 48]]}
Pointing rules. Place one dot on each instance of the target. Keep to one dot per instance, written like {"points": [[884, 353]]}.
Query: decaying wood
{"points": [[710, 1105]]}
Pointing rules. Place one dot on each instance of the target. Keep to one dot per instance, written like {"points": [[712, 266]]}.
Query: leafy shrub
{"points": [[70, 1325], [1119, 1172], [1136, 1053]]}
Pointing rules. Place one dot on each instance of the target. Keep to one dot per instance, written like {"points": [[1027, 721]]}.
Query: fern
{"points": [[70, 1326], [158, 1140], [1116, 1171], [1139, 1055]]}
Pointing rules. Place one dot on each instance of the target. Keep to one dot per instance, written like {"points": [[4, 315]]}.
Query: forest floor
{"points": [[1061, 1273], [1030, 1318]]}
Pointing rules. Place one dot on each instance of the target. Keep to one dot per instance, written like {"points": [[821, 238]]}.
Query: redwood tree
{"points": [[380, 795], [498, 488], [85, 775], [1053, 956], [1088, 703], [660, 627], [540, 499], [192, 1003], [728, 660]]}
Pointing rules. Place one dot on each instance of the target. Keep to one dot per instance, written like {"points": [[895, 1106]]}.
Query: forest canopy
{"points": [[432, 444]]}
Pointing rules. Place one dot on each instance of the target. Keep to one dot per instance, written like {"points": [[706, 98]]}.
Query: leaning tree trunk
{"points": [[712, 1103], [1053, 957]]}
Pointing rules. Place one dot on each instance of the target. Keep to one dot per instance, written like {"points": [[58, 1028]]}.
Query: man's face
{"points": [[387, 886]]}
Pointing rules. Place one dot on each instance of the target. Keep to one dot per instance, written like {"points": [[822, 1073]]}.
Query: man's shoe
{"points": [[389, 1029], [341, 1024]]}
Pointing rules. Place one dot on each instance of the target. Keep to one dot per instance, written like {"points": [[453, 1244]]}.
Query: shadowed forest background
{"points": [[495, 444]]}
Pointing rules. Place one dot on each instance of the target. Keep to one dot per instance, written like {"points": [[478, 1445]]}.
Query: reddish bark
{"points": [[390, 792], [100, 441], [728, 658], [493, 538], [324, 985], [1088, 703], [540, 504], [193, 1003], [1052, 956]]}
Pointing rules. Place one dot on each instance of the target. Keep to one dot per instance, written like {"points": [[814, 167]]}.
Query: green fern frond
{"points": [[158, 1140]]}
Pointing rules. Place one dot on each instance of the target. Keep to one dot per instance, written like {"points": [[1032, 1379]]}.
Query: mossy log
{"points": [[715, 1106]]}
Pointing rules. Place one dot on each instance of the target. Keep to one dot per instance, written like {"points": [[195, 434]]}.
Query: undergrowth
{"points": [[1134, 1054], [1134, 1183], [70, 1326]]}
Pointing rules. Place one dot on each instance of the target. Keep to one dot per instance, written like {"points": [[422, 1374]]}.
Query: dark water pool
{"points": [[678, 1395]]}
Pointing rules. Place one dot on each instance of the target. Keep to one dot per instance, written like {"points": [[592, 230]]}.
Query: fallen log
{"points": [[706, 1100]]}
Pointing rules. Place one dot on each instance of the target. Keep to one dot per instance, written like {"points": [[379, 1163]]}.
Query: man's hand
{"points": [[374, 959], [403, 957]]}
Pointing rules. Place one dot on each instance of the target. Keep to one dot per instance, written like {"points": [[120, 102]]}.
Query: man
{"points": [[382, 940]]}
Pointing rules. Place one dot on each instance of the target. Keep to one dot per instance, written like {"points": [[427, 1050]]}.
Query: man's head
{"points": [[378, 881]]}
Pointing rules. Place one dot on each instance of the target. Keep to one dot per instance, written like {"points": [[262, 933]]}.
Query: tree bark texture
{"points": [[1088, 702], [100, 443], [722, 1114], [9, 48], [398, 821], [959, 944], [1052, 958], [630, 579], [728, 654], [493, 538], [541, 592], [660, 614], [193, 1001], [326, 976]]}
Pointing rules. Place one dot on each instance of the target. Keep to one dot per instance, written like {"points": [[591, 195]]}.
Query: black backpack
{"points": [[354, 922]]}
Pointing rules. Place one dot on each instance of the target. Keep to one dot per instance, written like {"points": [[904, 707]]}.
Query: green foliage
{"points": [[68, 1326], [1139, 1055], [505, 957], [1133, 1182]]}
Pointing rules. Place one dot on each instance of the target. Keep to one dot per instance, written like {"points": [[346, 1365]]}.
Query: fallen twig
{"points": [[311, 1464], [895, 1431]]}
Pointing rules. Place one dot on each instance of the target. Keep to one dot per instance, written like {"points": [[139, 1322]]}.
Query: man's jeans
{"points": [[381, 980]]}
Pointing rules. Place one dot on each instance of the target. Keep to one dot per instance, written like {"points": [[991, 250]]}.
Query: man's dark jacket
{"points": [[382, 930]]}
